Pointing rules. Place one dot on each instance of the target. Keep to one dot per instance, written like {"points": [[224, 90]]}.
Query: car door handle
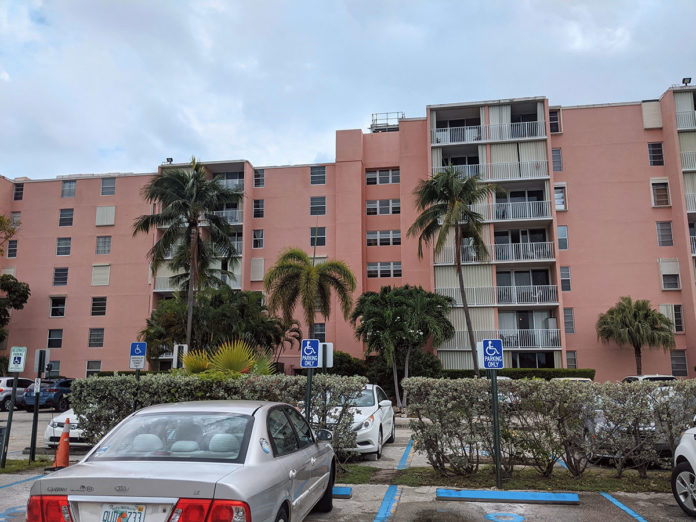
{"points": [[292, 473], [313, 460]]}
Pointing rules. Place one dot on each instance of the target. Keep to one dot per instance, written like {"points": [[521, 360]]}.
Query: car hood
{"points": [[129, 478], [69, 414], [360, 414]]}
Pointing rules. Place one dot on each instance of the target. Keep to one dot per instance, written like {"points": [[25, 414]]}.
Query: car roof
{"points": [[652, 376], [243, 407]]}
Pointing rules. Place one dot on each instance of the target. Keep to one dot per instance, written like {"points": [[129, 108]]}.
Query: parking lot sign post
{"points": [[18, 356], [309, 358], [37, 396], [493, 361]]}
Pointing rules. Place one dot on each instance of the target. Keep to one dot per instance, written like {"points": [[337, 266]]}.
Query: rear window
{"points": [[181, 436], [660, 379]]}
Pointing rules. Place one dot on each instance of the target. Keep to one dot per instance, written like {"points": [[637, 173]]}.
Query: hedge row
{"points": [[527, 373]]}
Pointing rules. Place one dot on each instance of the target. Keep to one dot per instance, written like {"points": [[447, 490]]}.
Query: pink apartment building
{"points": [[592, 203]]}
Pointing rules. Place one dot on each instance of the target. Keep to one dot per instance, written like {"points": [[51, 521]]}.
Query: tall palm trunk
{"points": [[639, 360], [396, 381], [193, 280], [408, 355], [465, 305]]}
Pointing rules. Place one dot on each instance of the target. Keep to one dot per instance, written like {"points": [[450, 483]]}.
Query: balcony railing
{"points": [[233, 216], [688, 159], [512, 339], [543, 251], [236, 185], [165, 284], [502, 171], [523, 210], [693, 245], [504, 295], [686, 120], [690, 202], [496, 132]]}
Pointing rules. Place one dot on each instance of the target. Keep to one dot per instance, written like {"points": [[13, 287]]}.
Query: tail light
{"points": [[48, 508], [200, 510], [2, 390], [52, 390], [229, 511], [190, 510]]}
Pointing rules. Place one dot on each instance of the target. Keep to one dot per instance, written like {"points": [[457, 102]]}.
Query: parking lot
{"points": [[380, 502]]}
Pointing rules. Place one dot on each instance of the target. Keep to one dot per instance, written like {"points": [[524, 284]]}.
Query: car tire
{"points": [[392, 437], [683, 483], [63, 404], [282, 515], [325, 503], [30, 409], [5, 404], [378, 453]]}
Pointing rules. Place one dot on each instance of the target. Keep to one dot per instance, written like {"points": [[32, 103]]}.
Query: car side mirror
{"points": [[693, 421], [324, 435], [386, 403]]}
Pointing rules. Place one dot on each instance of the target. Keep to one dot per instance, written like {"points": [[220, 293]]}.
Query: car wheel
{"points": [[325, 503], [683, 484], [5, 404], [282, 515], [379, 445], [62, 404], [30, 409], [392, 437]]}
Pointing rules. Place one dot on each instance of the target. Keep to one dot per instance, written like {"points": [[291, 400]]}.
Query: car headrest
{"points": [[224, 443], [147, 442]]}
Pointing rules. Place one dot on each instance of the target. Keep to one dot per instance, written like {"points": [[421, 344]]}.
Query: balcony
{"points": [[510, 252], [686, 120], [504, 295], [502, 171], [688, 160], [514, 211], [233, 184], [693, 245], [233, 216], [512, 339], [483, 133], [690, 202], [165, 284]]}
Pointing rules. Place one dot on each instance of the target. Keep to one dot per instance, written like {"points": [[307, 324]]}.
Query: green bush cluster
{"points": [[527, 373], [542, 422], [102, 403]]}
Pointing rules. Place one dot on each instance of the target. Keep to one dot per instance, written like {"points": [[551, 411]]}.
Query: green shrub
{"points": [[527, 373]]}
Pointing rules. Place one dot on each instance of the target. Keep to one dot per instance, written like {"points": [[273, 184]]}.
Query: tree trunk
{"points": [[396, 382], [193, 280], [465, 305], [408, 355], [639, 360]]}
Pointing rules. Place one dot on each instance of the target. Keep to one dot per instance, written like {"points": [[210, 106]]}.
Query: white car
{"points": [[683, 475], [373, 420], [650, 378], [55, 429]]}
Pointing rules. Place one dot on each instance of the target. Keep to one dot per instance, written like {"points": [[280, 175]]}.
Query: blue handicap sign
{"points": [[309, 353], [138, 349], [17, 359], [493, 354]]}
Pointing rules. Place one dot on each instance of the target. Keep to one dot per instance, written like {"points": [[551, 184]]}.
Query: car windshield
{"points": [[189, 436], [660, 379], [366, 398]]}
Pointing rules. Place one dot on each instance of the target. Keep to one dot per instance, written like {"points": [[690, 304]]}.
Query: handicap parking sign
{"points": [[18, 357], [309, 353], [493, 354]]}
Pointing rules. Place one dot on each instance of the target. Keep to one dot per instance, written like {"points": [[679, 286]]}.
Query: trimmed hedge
{"points": [[127, 372], [527, 373]]}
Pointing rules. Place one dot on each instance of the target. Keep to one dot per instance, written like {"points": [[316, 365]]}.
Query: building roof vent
{"points": [[386, 121]]}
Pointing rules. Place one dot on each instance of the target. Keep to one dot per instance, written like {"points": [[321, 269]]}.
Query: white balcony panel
{"points": [[495, 132], [501, 171], [693, 245], [691, 202], [543, 251], [512, 339], [233, 216], [504, 295], [164, 284], [688, 160], [686, 120], [518, 210], [484, 296]]}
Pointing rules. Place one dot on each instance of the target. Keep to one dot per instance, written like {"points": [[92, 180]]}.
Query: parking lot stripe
{"points": [[389, 503], [20, 481], [403, 463], [342, 492], [621, 506], [526, 497]]}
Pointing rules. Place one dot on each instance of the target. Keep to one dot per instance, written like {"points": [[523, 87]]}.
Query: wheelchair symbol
{"points": [[308, 349], [137, 350], [491, 350]]}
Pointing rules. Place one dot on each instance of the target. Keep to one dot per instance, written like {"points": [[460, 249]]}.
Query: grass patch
{"points": [[356, 474], [560, 480], [19, 465]]}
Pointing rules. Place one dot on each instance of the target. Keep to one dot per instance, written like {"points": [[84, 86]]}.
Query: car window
{"points": [[24, 383], [366, 398], [281, 433], [304, 432], [65, 384], [660, 379], [630, 379], [381, 396]]}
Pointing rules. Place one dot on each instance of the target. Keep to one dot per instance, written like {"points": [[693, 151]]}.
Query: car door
{"points": [[319, 454], [386, 413], [296, 461]]}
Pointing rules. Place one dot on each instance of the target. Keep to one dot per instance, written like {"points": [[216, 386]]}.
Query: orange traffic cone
{"points": [[63, 452]]}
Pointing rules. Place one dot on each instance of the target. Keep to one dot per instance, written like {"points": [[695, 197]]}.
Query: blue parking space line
{"points": [[527, 497], [391, 499], [619, 505], [20, 481], [403, 463], [342, 492], [13, 513]]}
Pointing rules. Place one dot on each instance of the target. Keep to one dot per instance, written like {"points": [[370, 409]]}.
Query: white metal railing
{"points": [[237, 247], [495, 132], [690, 202], [164, 284], [231, 215], [688, 159], [233, 184], [686, 120], [502, 171], [512, 339], [542, 251], [693, 244], [511, 211], [503, 295]]}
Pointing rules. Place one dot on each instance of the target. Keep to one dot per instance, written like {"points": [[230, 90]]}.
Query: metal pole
{"points": [[496, 428], [37, 396], [308, 395], [6, 440]]}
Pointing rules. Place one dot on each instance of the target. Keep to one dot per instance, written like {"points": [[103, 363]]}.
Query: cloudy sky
{"points": [[92, 86]]}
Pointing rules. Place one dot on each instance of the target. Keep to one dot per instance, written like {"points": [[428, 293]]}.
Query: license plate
{"points": [[122, 513]]}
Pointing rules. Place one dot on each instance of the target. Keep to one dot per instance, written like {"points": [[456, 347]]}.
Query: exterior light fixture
{"points": [[686, 81]]}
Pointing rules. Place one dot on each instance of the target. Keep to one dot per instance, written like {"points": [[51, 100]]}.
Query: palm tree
{"points": [[445, 202], [637, 324], [187, 199], [297, 279]]}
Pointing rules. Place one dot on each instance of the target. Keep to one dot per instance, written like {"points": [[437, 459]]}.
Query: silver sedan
{"points": [[196, 461]]}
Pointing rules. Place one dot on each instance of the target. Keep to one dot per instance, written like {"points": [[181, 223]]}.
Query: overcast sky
{"points": [[92, 86]]}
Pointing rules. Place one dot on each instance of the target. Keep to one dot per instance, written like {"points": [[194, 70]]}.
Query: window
{"points": [[555, 120], [384, 269], [678, 319], [65, 218], [96, 338], [568, 320], [57, 306], [383, 237], [257, 239], [99, 306], [93, 367], [108, 186], [60, 276], [68, 189], [100, 275], [670, 282], [55, 338], [383, 207], [105, 216], [317, 206], [655, 153], [18, 191], [669, 271], [63, 246], [664, 233], [559, 194], [679, 367], [565, 278], [571, 359], [259, 178], [556, 160], [103, 245], [317, 175], [304, 432], [382, 177], [15, 219], [232, 180], [562, 237], [317, 236], [258, 208], [319, 332], [371, 207], [12, 248], [660, 194], [282, 434]]}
